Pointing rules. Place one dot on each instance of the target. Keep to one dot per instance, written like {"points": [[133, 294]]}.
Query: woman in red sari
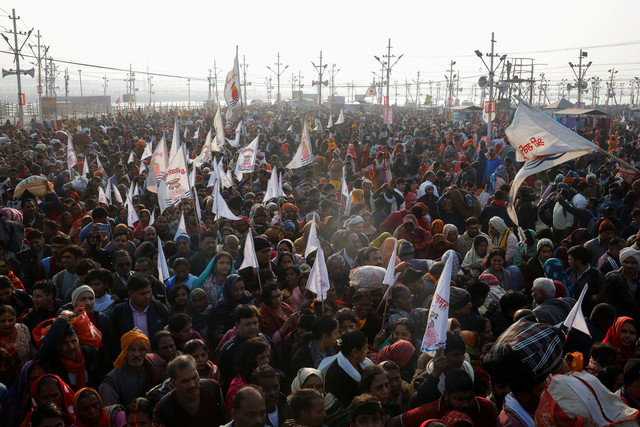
{"points": [[410, 230], [622, 335]]}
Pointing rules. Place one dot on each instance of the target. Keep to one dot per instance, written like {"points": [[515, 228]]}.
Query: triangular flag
{"points": [[226, 180], [232, 88], [85, 167], [143, 167], [163, 269], [182, 226], [236, 142], [330, 121], [435, 336], [313, 243], [220, 208], [101, 197], [340, 118], [175, 141], [391, 267], [250, 259], [151, 184], [387, 293], [135, 191], [344, 188], [185, 133], [247, 158], [192, 177], [132, 157], [198, 211], [177, 180], [72, 159], [318, 281], [116, 193], [162, 195], [153, 217], [196, 135], [347, 205], [575, 318], [100, 168], [107, 192], [304, 154], [132, 215], [147, 152], [272, 185], [290, 130], [205, 155]]}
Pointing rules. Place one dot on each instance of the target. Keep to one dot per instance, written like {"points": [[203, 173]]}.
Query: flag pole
{"points": [[619, 160], [245, 87]]}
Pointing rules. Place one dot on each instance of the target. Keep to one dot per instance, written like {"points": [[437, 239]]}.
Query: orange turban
{"points": [[132, 337]]}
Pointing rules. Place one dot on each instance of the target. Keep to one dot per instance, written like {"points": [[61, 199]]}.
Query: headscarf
{"points": [[104, 418], [399, 352], [199, 319], [455, 260], [15, 404], [357, 197], [286, 206], [437, 227], [302, 376], [209, 272], [554, 269], [489, 279], [132, 337], [499, 172], [448, 228], [227, 291], [67, 395], [473, 257], [499, 224], [629, 252], [613, 337], [378, 241], [386, 249], [77, 291]]}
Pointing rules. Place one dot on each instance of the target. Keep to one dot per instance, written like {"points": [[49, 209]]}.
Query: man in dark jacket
{"points": [[496, 208], [31, 258], [278, 409], [206, 252], [139, 310], [549, 309]]}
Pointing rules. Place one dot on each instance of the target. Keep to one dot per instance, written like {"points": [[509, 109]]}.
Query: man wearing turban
{"points": [[132, 374]]}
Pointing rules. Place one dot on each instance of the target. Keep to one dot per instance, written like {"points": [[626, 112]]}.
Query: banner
{"points": [[159, 159], [177, 181], [435, 336], [247, 158], [304, 154], [232, 94], [72, 159], [235, 142]]}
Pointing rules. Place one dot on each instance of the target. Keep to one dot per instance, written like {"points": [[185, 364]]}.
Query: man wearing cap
{"points": [[629, 261], [599, 245], [630, 391], [132, 374], [523, 357], [183, 245]]}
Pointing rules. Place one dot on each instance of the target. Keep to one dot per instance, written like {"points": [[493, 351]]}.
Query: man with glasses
{"points": [[122, 264]]}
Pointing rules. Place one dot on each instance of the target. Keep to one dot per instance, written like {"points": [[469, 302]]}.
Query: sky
{"points": [[185, 38]]}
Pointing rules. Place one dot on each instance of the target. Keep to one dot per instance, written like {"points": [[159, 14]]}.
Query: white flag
{"points": [[304, 154], [185, 133], [250, 259], [177, 180], [132, 157], [236, 142], [391, 267], [344, 188], [196, 135], [182, 226], [147, 152], [247, 158], [102, 198], [313, 243], [163, 269], [318, 281], [151, 184], [533, 134], [290, 130], [72, 159], [274, 188], [232, 93], [435, 336], [143, 167], [85, 167], [175, 141], [100, 168], [116, 192], [220, 208], [205, 154], [153, 217], [387, 293], [575, 318], [347, 205], [543, 143], [192, 177], [132, 215], [198, 211], [340, 118], [135, 191], [218, 143], [330, 121], [159, 159]]}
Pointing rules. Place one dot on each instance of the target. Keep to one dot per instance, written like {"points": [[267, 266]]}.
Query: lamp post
{"points": [[491, 70]]}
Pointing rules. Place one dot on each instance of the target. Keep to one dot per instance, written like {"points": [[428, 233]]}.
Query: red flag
{"points": [[118, 101]]}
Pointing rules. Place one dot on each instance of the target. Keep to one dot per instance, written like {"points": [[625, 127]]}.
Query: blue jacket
{"points": [[122, 317]]}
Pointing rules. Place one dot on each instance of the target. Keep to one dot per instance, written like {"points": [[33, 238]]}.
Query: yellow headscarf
{"points": [[132, 337]]}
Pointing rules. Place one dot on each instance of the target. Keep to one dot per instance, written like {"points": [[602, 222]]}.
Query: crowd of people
{"points": [[92, 336]]}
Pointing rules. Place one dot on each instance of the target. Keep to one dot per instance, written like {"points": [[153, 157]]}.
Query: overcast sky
{"points": [[185, 37]]}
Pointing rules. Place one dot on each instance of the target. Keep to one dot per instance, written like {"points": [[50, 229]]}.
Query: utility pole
{"points": [[320, 68], [39, 63], [300, 77], [293, 84], [580, 74], [209, 79], [449, 79], [611, 90], [66, 90], [387, 66], [492, 71], [595, 91], [417, 90], [278, 73], [150, 84], [395, 84], [189, 92], [245, 83], [16, 52], [333, 76], [80, 76], [104, 85]]}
